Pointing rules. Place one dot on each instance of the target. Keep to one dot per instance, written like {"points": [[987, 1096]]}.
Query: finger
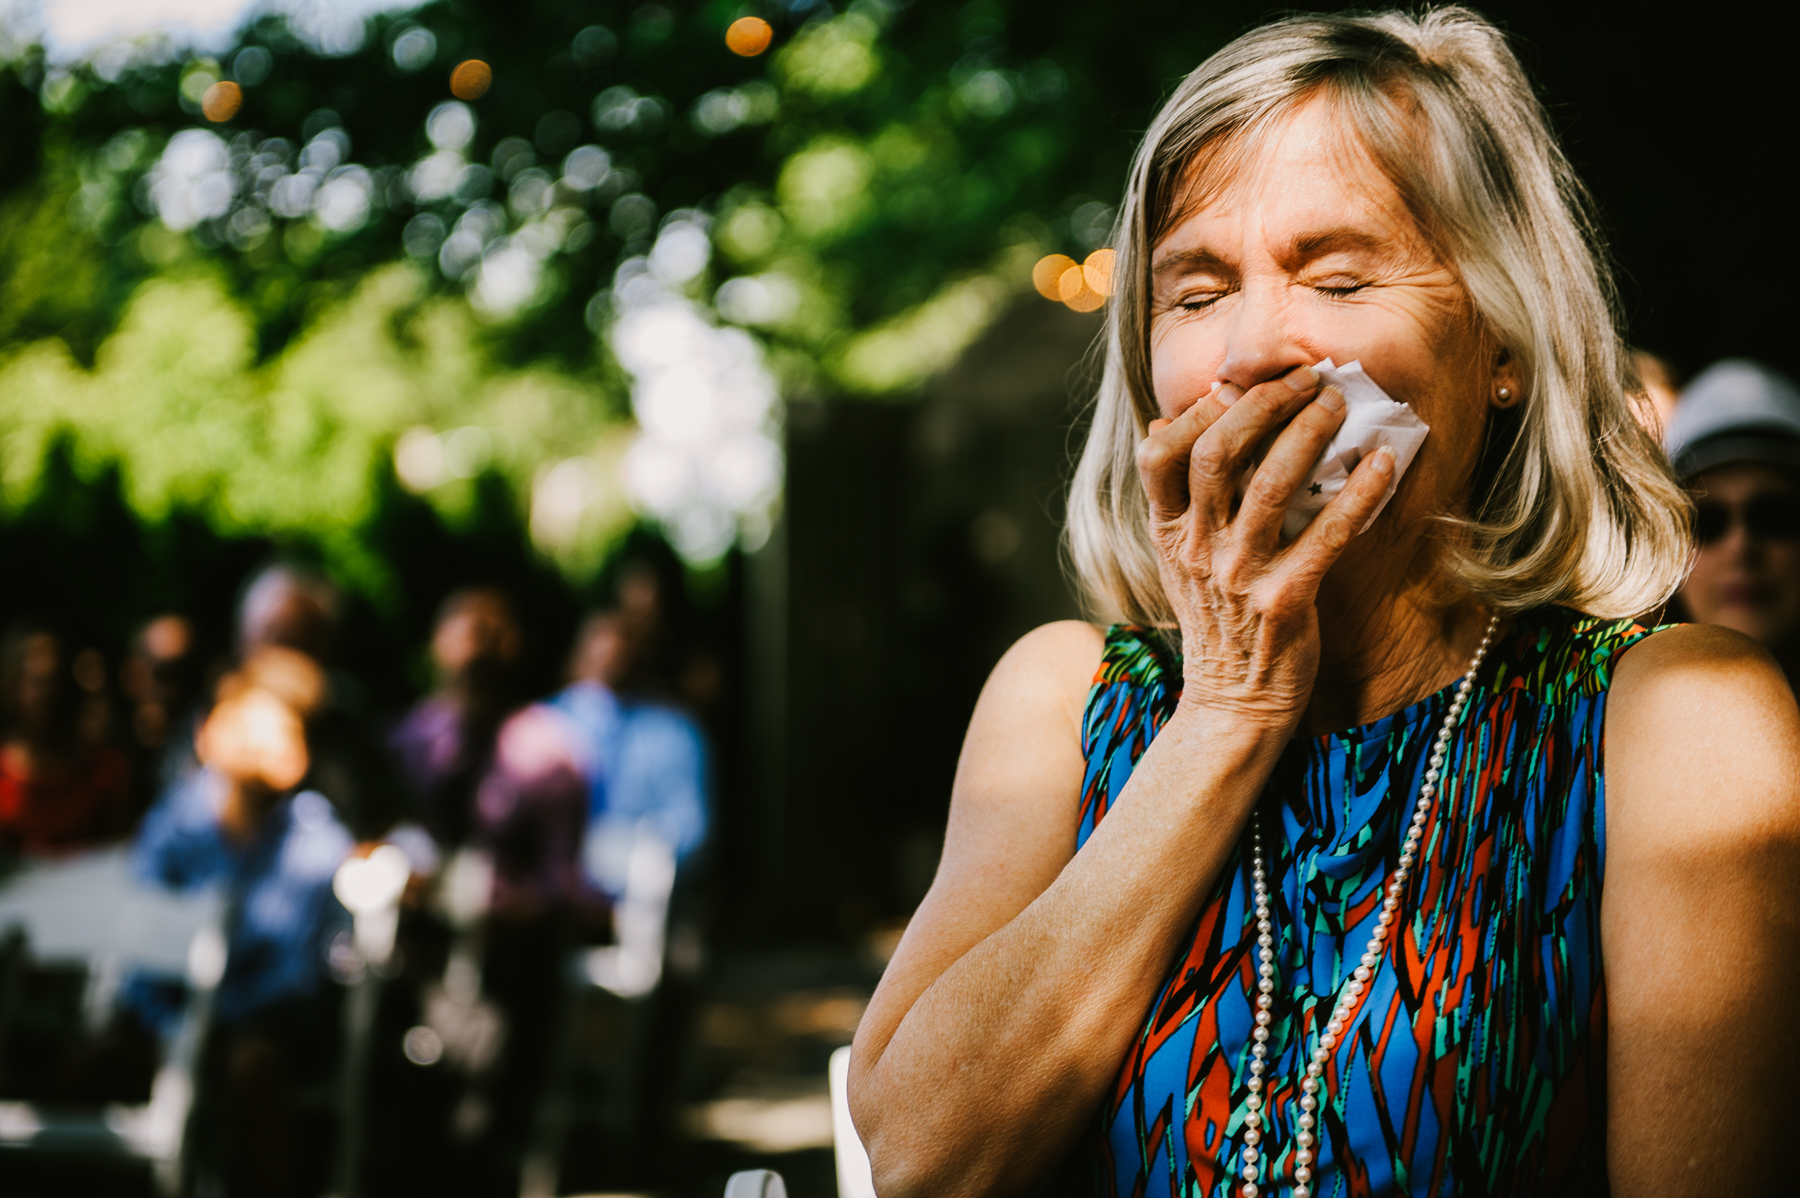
{"points": [[1287, 465], [1337, 524], [1219, 455], [1162, 456]]}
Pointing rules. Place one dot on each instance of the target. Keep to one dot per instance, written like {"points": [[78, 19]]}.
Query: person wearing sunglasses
{"points": [[1735, 441]]}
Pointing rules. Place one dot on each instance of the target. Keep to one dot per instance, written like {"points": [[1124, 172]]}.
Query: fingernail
{"points": [[1384, 460], [1331, 399], [1228, 394], [1301, 378]]}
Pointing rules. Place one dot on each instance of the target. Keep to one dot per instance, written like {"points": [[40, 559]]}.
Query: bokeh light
{"points": [[749, 36], [707, 461], [471, 79], [1098, 271], [1047, 275], [221, 101], [1074, 291]]}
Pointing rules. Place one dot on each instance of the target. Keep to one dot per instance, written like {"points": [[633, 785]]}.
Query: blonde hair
{"points": [[1575, 504]]}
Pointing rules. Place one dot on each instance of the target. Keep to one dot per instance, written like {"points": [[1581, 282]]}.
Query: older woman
{"points": [[1364, 861]]}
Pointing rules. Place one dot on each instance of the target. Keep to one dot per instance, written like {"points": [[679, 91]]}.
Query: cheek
{"points": [[1783, 563], [1182, 368]]}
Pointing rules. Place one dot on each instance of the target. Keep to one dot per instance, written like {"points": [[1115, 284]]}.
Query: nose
{"points": [[1261, 345]]}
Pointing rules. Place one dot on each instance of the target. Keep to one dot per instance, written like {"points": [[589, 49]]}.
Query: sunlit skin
{"points": [[1277, 272], [1024, 977], [257, 745], [1744, 582]]}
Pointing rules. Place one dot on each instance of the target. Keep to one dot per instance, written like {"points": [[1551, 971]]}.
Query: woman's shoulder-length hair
{"points": [[1574, 503]]}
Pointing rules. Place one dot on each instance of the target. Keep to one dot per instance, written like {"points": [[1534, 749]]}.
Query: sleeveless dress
{"points": [[1475, 1063]]}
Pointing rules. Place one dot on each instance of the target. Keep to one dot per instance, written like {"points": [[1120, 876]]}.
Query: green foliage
{"points": [[878, 183]]}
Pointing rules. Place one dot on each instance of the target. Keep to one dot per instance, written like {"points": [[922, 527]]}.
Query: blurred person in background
{"points": [[529, 817], [291, 606], [241, 822], [1735, 442], [61, 786], [160, 680], [445, 744], [647, 770], [646, 762], [297, 608]]}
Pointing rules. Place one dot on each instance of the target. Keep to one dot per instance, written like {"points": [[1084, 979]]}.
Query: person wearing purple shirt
{"points": [[445, 744]]}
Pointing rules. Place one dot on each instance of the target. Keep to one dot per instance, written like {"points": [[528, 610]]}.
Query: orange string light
{"points": [[221, 101], [1074, 291], [1098, 271], [471, 79], [1047, 275], [749, 36]]}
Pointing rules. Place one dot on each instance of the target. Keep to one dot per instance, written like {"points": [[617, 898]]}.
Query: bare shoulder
{"points": [[1013, 809], [1067, 649], [1702, 739], [1014, 805], [1031, 705]]}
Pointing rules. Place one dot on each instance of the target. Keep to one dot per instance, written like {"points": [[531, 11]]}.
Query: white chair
{"points": [[755, 1183], [854, 1179], [637, 864], [92, 913]]}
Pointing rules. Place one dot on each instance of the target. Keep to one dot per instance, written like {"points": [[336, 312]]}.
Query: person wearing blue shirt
{"points": [[237, 824], [283, 914], [647, 763]]}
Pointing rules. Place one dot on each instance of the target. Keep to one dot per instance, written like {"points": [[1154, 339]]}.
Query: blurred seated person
{"points": [[446, 742], [160, 679], [646, 763], [240, 823], [531, 815], [61, 787], [295, 607], [1735, 442]]}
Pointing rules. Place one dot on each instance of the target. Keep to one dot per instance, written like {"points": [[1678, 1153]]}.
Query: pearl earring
{"points": [[1505, 394]]}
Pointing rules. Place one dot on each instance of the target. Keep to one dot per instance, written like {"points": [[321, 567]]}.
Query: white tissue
{"points": [[1371, 420]]}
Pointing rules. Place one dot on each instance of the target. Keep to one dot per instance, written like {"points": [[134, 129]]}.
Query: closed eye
{"points": [[1339, 288], [1200, 301]]}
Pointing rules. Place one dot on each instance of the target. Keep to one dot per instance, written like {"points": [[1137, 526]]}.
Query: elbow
{"points": [[902, 1173], [897, 1165], [907, 1161]]}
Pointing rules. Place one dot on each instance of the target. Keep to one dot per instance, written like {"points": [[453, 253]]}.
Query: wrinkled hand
{"points": [[1245, 602]]}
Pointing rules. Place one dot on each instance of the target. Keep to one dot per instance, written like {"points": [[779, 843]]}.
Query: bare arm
{"points": [[1028, 969], [1700, 922]]}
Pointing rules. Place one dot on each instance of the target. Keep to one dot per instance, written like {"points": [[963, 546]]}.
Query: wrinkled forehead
{"points": [[1301, 145]]}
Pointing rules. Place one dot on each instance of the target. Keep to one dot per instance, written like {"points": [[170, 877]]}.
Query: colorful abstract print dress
{"points": [[1475, 1063]]}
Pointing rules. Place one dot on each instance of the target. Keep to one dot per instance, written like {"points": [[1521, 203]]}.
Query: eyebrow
{"points": [[1330, 241], [1305, 247], [1180, 262]]}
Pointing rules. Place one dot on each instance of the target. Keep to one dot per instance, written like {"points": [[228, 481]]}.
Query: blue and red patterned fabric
{"points": [[1475, 1062]]}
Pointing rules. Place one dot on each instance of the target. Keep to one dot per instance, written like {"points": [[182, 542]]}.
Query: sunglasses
{"points": [[1765, 518]]}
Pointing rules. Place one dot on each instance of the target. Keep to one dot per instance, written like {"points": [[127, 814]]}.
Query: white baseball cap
{"points": [[1735, 411]]}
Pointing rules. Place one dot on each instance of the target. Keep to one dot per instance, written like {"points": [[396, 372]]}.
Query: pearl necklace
{"points": [[1313, 1082]]}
